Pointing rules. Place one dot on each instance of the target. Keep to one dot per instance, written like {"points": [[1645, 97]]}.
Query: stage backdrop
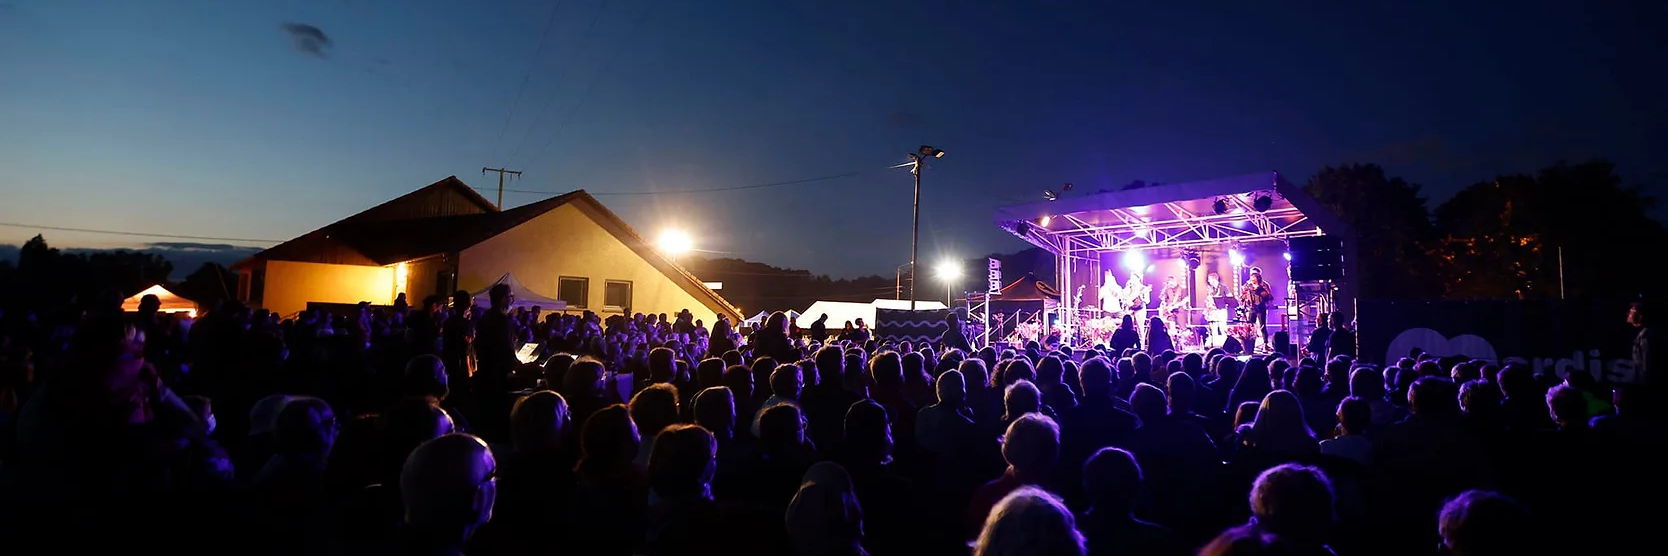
{"points": [[1549, 336], [913, 326]]}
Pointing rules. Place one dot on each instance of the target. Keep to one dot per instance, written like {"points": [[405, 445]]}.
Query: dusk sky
{"points": [[264, 120]]}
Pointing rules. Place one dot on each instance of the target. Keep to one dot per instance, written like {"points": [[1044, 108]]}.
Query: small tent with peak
{"points": [[170, 302], [524, 298]]}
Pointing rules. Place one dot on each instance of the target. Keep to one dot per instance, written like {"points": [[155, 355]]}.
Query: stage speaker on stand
{"points": [[1316, 258]]}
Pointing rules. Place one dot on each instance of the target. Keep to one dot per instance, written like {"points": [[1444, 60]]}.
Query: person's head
{"points": [[739, 379], [409, 423], [449, 484], [1148, 402], [786, 382], [1517, 380], [1636, 314], [1021, 398], [682, 463], [715, 410], [1483, 523], [1029, 522], [1338, 320], [1280, 420], [1247, 540], [974, 374], [830, 363], [587, 378], [1032, 445], [539, 421], [425, 376], [663, 365], [886, 370], [1096, 378], [952, 388], [306, 428], [825, 516], [1182, 392], [868, 432], [1354, 415], [608, 440], [501, 297], [1567, 406], [1294, 502], [1477, 396], [1112, 481], [782, 428], [1433, 396], [655, 408], [1246, 413]]}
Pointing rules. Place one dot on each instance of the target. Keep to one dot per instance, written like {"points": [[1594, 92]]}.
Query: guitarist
{"points": [[1137, 296], [1171, 300], [1255, 297]]}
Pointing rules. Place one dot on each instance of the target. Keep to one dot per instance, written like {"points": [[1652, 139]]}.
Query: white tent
{"points": [[524, 298], [756, 320], [171, 302], [841, 311]]}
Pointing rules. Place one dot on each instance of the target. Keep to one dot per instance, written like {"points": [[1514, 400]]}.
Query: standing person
{"points": [[819, 329], [495, 345], [1643, 355], [1256, 295]]}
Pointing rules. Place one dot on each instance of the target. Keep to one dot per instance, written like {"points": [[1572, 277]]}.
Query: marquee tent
{"points": [[171, 302], [841, 311], [524, 298]]}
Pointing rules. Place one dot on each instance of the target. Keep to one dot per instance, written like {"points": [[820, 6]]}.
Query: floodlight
{"points": [[1235, 257], [1263, 203], [930, 151], [1050, 195], [1287, 255], [1220, 206], [675, 242], [1134, 261], [949, 270]]}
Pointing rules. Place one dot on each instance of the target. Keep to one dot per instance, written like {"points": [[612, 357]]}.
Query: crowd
{"points": [[430, 430]]}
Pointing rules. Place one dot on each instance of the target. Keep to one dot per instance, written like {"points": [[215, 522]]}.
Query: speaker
{"points": [[1316, 258]]}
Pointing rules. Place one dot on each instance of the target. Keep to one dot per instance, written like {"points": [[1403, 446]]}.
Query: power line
{"points": [[135, 234], [648, 6], [691, 191], [584, 42], [527, 78]]}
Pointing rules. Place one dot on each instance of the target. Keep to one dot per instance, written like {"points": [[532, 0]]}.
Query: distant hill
{"points": [[755, 286]]}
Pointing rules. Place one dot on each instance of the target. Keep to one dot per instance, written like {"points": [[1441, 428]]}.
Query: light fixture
{"points": [[1220, 206], [1287, 255], [1134, 261], [1066, 186], [1192, 259], [1263, 203], [1235, 257], [930, 151], [949, 270], [675, 242], [1051, 195], [1045, 220]]}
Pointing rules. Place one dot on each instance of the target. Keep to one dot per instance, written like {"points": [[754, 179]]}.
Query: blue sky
{"points": [[209, 118]]}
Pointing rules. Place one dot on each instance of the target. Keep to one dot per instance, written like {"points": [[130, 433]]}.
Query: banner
{"points": [[1549, 336], [913, 326]]}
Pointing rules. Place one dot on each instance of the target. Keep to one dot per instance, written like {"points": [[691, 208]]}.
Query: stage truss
{"points": [[1181, 217]]}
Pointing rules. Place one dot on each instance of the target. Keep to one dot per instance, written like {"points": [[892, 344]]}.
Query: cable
{"points": [[584, 42], [607, 65], [135, 234], [687, 191], [527, 78]]}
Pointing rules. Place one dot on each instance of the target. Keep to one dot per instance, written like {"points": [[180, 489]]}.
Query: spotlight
{"points": [[1220, 206], [1045, 220], [1192, 260], [1050, 195], [1134, 261], [1235, 257], [1263, 203], [930, 151], [1287, 255], [1022, 228]]}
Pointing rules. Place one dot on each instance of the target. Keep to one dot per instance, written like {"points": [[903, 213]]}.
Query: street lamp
{"points": [[675, 243], [917, 160], [949, 272]]}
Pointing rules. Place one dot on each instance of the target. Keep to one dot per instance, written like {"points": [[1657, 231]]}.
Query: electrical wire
{"points": [[135, 234], [584, 43], [526, 78]]}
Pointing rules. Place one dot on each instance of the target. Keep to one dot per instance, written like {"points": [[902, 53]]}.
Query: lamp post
{"points": [[949, 272], [917, 160]]}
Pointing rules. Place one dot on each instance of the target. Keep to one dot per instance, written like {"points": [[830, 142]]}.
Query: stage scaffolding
{"points": [[1243, 210]]}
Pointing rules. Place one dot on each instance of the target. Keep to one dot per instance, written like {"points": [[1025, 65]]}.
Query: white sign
{"points": [[994, 277], [714, 286]]}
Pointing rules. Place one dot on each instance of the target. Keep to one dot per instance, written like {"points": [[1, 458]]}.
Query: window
{"points": [[616, 295], [575, 291]]}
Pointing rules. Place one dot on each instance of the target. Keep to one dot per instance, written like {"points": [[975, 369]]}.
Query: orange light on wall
{"points": [[402, 273]]}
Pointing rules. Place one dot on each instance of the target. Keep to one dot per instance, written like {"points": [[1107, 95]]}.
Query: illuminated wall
{"points": [[566, 242], [291, 285]]}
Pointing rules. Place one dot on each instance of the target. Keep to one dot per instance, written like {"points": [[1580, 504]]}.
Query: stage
{"points": [[1186, 253]]}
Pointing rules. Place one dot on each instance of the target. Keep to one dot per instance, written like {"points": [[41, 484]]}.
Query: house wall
{"points": [[291, 285], [567, 242]]}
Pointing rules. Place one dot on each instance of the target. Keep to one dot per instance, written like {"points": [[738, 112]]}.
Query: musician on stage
{"points": [[1137, 295], [1111, 296], [1213, 286], [1254, 296], [1172, 301]]}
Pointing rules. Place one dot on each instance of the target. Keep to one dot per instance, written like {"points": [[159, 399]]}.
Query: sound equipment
{"points": [[1316, 258]]}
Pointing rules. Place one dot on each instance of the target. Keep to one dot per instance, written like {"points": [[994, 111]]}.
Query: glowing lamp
{"points": [[1134, 261], [1235, 257], [1287, 255], [675, 242], [949, 271]]}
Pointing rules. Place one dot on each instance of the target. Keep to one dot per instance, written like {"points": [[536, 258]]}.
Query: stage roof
{"points": [[1177, 215]]}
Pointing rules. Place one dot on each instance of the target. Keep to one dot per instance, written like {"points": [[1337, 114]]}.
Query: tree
{"points": [[1572, 231], [208, 284], [1392, 229]]}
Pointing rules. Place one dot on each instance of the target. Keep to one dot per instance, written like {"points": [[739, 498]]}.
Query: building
{"points": [[446, 237]]}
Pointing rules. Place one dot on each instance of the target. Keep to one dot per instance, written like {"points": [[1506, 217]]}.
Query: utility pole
{"points": [[501, 172], [917, 160]]}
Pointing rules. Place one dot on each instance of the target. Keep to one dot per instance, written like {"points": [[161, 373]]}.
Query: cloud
{"points": [[308, 39], [906, 120]]}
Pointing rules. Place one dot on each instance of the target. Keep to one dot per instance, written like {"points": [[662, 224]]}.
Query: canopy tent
{"points": [[841, 312], [756, 320], [171, 302], [1028, 288], [524, 298]]}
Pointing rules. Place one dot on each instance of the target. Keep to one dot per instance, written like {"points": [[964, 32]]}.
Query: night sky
{"points": [[268, 119]]}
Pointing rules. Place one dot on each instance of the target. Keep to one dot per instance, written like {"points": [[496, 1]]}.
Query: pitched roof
{"points": [[447, 217]]}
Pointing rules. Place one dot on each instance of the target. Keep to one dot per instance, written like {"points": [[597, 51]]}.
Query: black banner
{"points": [[1549, 336], [912, 326]]}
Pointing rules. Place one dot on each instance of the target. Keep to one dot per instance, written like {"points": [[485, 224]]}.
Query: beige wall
{"points": [[566, 242], [291, 285]]}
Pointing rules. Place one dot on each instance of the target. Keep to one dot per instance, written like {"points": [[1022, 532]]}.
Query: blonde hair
{"points": [[1029, 522]]}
